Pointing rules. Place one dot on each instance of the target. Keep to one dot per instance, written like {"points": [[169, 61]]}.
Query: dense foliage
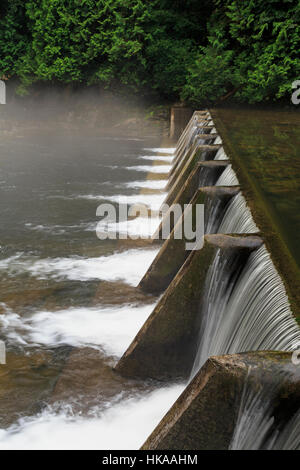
{"points": [[200, 51]]}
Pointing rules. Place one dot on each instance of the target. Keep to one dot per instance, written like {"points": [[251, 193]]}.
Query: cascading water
{"points": [[212, 209], [245, 308], [228, 216], [254, 419], [207, 177], [217, 140], [244, 311], [194, 132], [227, 178], [255, 427], [187, 145], [289, 437], [238, 218], [221, 155]]}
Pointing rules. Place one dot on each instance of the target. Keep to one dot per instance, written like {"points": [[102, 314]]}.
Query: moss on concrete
{"points": [[265, 219]]}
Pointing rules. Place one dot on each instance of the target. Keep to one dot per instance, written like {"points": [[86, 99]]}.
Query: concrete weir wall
{"points": [[207, 413]]}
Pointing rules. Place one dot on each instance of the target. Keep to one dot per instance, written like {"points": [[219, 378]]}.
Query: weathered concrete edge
{"points": [[165, 435]]}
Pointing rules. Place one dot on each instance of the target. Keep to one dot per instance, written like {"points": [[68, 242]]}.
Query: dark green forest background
{"points": [[199, 51]]}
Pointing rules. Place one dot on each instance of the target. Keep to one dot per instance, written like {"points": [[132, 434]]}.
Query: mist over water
{"points": [[64, 292]]}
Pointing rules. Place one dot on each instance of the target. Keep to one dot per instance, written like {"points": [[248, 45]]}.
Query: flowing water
{"points": [[228, 178], [256, 426], [245, 308], [221, 155], [228, 216], [237, 217], [68, 307]]}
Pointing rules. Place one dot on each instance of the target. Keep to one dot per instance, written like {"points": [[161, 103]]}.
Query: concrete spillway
{"points": [[227, 297]]}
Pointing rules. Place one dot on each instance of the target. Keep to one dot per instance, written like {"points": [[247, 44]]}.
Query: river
{"points": [[68, 307]]}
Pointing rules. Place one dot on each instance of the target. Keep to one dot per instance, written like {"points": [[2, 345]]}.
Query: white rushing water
{"points": [[127, 419], [255, 418], [150, 168], [148, 184], [221, 155], [255, 429], [212, 214], [242, 312], [153, 201], [128, 266], [227, 178], [234, 218], [110, 329], [159, 150], [157, 158], [237, 217], [218, 140], [140, 227], [124, 425], [289, 437]]}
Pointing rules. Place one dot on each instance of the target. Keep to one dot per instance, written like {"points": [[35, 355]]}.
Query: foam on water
{"points": [[140, 227], [110, 329], [150, 168], [128, 266], [153, 201], [125, 425], [57, 229], [168, 150], [148, 184], [159, 158]]}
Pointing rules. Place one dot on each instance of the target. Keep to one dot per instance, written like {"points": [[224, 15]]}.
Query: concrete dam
{"points": [[178, 327], [227, 319]]}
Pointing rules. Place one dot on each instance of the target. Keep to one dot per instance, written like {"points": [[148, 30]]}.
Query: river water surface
{"points": [[68, 307]]}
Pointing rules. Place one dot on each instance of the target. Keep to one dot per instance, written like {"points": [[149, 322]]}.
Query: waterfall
{"points": [[227, 178], [238, 218], [254, 419], [255, 428], [207, 177], [221, 155], [194, 132], [233, 216], [289, 437], [212, 210], [245, 308], [184, 146], [218, 140]]}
